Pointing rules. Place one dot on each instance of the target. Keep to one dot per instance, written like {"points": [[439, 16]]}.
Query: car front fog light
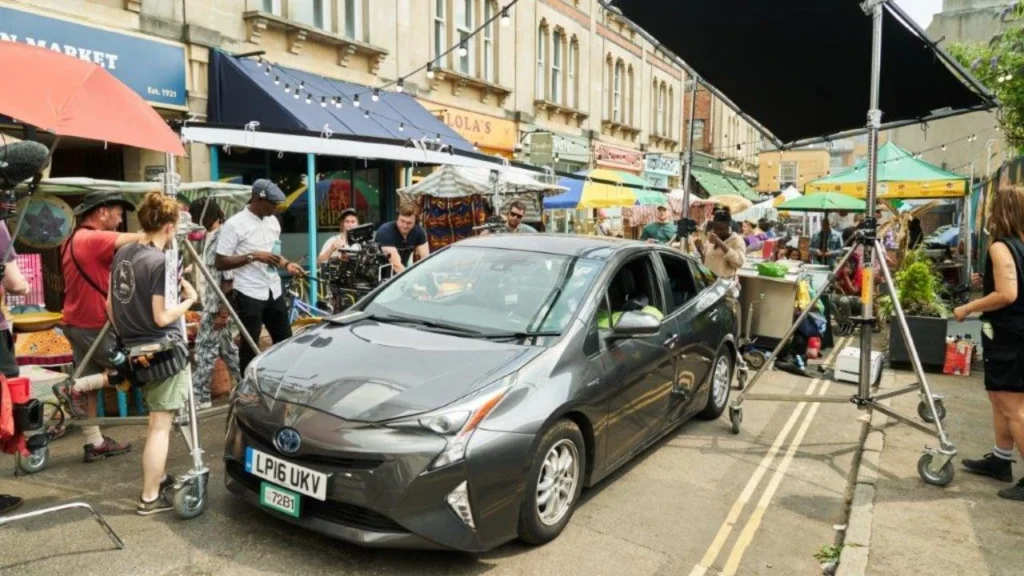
{"points": [[458, 499]]}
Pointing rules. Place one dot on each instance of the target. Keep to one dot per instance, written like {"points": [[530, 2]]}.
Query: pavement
{"points": [[702, 501]]}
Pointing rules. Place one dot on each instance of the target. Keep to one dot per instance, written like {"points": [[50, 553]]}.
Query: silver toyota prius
{"points": [[468, 401]]}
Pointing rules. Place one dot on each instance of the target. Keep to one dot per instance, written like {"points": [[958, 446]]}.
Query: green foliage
{"points": [[919, 288], [827, 554], [992, 63]]}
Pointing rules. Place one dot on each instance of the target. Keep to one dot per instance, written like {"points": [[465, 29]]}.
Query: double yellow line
{"points": [[746, 536]]}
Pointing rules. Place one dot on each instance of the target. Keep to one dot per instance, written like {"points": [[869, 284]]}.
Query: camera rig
{"points": [[362, 267]]}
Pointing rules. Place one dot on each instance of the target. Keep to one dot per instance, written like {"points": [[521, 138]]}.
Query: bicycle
{"points": [[296, 291]]}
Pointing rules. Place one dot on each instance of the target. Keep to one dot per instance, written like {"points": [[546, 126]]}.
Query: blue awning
{"points": [[241, 92]]}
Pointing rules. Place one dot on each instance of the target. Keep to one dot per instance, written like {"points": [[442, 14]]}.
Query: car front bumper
{"points": [[379, 494]]}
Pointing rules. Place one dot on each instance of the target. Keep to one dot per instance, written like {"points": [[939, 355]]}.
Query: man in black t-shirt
{"points": [[403, 237]]}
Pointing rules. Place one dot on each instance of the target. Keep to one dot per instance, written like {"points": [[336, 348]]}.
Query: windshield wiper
{"points": [[388, 319], [516, 335]]}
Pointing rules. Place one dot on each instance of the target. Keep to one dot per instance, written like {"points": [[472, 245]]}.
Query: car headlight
{"points": [[458, 421]]}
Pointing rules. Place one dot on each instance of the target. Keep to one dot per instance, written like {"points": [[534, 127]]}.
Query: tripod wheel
{"points": [[36, 461], [190, 499], [735, 418], [926, 414], [941, 478]]}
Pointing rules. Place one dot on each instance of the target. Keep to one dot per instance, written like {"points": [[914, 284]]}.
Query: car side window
{"points": [[633, 288], [682, 283]]}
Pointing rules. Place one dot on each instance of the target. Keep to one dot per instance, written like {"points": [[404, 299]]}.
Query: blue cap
{"points": [[264, 189]]}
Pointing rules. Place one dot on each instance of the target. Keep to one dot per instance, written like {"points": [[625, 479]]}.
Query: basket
{"points": [[220, 383]]}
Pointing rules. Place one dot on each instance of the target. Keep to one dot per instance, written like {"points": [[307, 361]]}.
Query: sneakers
{"points": [[110, 447], [8, 503], [1015, 492], [992, 466], [161, 504], [70, 399]]}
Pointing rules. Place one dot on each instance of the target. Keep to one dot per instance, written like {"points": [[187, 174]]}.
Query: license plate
{"points": [[285, 474], [279, 499]]}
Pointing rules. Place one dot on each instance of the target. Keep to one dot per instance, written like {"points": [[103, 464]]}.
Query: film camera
{"points": [[362, 267]]}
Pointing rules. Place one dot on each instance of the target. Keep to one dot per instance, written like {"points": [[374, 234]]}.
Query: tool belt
{"points": [[159, 361]]}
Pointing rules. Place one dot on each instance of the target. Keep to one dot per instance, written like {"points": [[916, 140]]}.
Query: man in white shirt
{"points": [[250, 245]]}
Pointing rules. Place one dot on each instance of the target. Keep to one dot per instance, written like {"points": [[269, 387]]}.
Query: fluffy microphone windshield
{"points": [[20, 161]]}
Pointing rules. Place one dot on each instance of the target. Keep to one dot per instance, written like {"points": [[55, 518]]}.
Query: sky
{"points": [[921, 10]]}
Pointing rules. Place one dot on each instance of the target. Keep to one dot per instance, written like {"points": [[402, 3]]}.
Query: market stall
{"points": [[572, 210]]}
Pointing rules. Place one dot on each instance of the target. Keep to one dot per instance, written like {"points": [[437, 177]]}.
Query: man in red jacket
{"points": [[86, 258]]}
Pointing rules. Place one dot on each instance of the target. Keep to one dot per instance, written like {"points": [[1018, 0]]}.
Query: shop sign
{"points": [[479, 129], [154, 69], [572, 150], [665, 165], [153, 172], [542, 149], [618, 158]]}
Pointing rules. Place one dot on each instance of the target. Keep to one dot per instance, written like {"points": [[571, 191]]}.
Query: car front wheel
{"points": [[719, 385], [555, 483]]}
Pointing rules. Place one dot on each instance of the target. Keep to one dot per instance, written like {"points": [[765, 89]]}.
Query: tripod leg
{"points": [[220, 296]]}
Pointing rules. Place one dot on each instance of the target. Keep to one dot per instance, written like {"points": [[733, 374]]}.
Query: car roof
{"points": [[594, 247]]}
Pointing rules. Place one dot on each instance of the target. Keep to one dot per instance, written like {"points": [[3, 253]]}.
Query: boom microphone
{"points": [[20, 161]]}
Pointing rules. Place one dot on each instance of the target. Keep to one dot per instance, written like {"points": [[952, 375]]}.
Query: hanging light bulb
{"points": [[355, 101], [400, 87], [302, 85], [366, 114], [287, 89], [337, 102], [376, 94], [323, 101], [430, 70], [463, 49], [505, 19], [943, 147], [438, 139], [266, 71], [297, 95], [401, 127], [309, 98], [277, 80]]}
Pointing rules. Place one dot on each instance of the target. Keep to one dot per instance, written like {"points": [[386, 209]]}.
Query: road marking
{"points": [[754, 522], [737, 508]]}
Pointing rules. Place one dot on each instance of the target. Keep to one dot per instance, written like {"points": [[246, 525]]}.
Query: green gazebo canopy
{"points": [[900, 175]]}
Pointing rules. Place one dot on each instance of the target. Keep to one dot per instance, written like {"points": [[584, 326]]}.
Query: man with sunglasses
{"points": [[514, 219]]}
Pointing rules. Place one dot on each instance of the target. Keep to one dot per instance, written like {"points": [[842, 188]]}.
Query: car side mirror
{"points": [[636, 325]]}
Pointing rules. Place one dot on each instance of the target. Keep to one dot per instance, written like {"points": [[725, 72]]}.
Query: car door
{"points": [[686, 290], [639, 372]]}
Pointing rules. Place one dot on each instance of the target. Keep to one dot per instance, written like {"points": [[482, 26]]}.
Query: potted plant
{"points": [[919, 288]]}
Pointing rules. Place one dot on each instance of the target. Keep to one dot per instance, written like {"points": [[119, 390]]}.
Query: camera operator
{"points": [[13, 283], [250, 245], [86, 258], [400, 239], [334, 246]]}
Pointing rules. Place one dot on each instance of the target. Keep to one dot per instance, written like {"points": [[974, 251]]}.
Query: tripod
{"points": [[934, 466]]}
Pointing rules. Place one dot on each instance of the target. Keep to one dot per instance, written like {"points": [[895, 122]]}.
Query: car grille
{"points": [[330, 510], [348, 463]]}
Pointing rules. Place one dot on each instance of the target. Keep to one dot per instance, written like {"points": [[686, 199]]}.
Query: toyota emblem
{"points": [[287, 441]]}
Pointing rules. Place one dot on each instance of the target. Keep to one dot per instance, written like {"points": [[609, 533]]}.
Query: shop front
{"points": [[662, 170], [490, 134], [558, 151], [153, 67]]}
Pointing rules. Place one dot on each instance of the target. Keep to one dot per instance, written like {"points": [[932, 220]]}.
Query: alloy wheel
{"points": [[720, 381], [556, 484]]}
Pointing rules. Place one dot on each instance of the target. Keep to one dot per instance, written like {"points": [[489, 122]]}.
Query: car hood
{"points": [[373, 372]]}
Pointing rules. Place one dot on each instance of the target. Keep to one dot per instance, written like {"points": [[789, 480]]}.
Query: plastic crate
{"points": [[31, 266]]}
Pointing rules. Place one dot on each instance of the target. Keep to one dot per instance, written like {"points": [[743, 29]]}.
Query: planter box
{"points": [[929, 335]]}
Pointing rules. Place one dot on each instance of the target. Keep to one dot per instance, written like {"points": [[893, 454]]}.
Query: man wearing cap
{"points": [[250, 244], [86, 258], [661, 231]]}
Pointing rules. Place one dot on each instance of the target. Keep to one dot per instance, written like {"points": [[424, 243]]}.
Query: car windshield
{"points": [[490, 290]]}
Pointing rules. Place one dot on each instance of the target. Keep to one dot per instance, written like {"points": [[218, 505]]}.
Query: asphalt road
{"points": [[702, 501]]}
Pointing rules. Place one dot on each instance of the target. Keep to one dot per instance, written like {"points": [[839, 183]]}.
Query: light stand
{"points": [[688, 168], [935, 466]]}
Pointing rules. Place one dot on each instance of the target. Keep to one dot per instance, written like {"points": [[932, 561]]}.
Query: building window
{"points": [[440, 11], [489, 42], [354, 19], [698, 132], [617, 93], [670, 130], [464, 27], [312, 13], [574, 53], [556, 66], [662, 97], [542, 45], [788, 174], [628, 116], [272, 6], [654, 107]]}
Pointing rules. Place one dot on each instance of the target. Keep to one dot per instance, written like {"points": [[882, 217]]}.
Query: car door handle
{"points": [[671, 341]]}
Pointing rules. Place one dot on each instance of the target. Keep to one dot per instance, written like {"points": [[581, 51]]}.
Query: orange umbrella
{"points": [[72, 97]]}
